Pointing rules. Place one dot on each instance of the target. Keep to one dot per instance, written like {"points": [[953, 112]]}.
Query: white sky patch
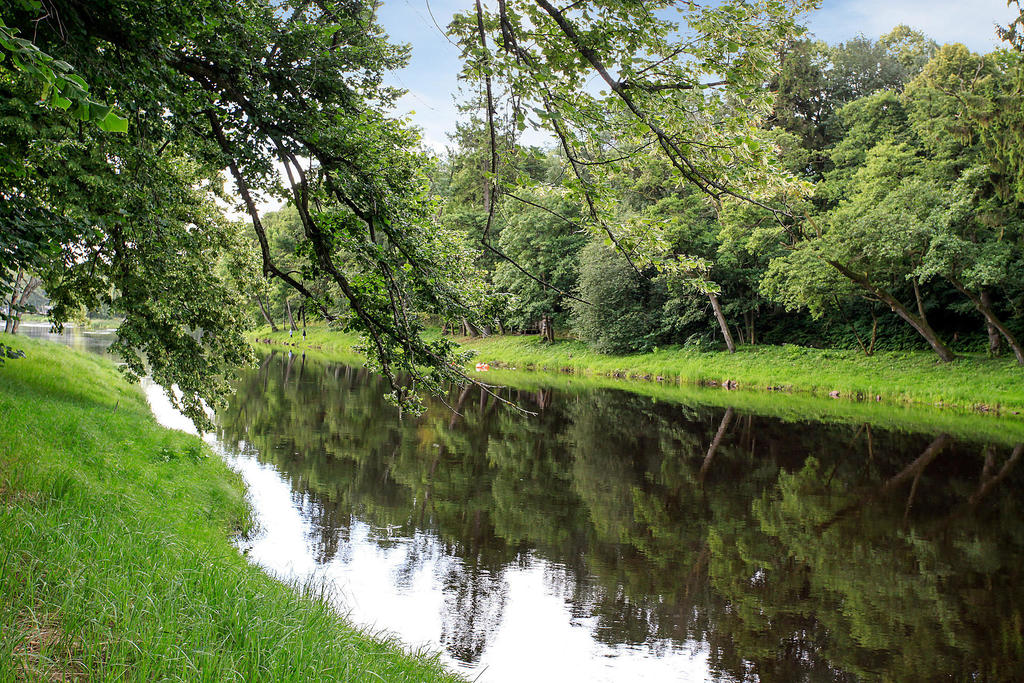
{"points": [[236, 209], [435, 116], [971, 22], [432, 74]]}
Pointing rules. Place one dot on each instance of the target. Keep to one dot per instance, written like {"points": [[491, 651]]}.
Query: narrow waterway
{"points": [[620, 537]]}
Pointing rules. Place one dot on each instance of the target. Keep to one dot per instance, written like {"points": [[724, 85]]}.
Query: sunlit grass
{"points": [[115, 558]]}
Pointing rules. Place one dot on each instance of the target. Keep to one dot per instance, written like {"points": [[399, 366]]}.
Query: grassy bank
{"points": [[973, 382], [115, 553]]}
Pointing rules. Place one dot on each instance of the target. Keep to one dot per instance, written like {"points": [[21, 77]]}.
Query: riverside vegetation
{"points": [[975, 382], [862, 296], [908, 192], [117, 561]]}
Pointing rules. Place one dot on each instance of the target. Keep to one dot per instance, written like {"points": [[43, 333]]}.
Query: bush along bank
{"points": [[973, 381], [116, 560]]}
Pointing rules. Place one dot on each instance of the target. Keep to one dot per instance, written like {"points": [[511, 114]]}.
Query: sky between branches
{"points": [[430, 77]]}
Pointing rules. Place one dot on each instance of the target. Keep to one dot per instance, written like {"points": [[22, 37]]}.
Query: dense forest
{"points": [[709, 177]]}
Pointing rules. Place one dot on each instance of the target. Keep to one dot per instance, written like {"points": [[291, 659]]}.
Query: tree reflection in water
{"points": [[794, 551]]}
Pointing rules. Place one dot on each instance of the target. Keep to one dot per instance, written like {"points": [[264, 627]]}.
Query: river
{"points": [[617, 536]]}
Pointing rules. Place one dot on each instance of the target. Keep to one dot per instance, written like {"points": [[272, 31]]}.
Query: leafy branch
{"points": [[61, 87]]}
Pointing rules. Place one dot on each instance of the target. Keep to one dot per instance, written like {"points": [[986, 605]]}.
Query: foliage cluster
{"points": [[128, 214]]}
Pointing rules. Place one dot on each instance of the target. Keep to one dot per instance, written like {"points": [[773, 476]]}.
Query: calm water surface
{"points": [[616, 538]]}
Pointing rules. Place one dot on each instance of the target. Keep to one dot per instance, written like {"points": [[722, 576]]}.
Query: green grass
{"points": [[972, 382], [115, 553]]}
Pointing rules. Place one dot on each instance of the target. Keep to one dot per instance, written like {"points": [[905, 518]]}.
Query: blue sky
{"points": [[430, 77]]}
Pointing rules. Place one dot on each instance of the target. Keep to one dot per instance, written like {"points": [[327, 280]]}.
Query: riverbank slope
{"points": [[973, 381], [115, 553]]}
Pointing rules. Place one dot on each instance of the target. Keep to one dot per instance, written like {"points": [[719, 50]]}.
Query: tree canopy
{"points": [[244, 85]]}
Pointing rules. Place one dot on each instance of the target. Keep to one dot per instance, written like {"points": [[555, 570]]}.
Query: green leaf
{"points": [[79, 81], [98, 112], [81, 112], [112, 123]]}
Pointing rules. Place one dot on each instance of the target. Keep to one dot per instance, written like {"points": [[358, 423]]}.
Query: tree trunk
{"points": [[722, 428], [920, 302], [546, 329], [18, 299], [288, 309], [266, 314], [995, 342], [850, 324], [874, 331], [9, 323], [729, 343], [31, 285], [919, 324], [980, 302], [995, 345]]}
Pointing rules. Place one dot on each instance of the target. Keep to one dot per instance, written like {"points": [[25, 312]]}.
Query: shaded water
{"points": [[613, 537]]}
